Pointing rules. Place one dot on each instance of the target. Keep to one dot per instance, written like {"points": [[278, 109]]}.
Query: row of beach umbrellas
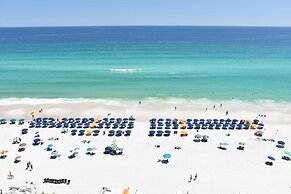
{"points": [[202, 121]]}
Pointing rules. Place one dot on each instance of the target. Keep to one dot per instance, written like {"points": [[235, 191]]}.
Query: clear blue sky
{"points": [[145, 12]]}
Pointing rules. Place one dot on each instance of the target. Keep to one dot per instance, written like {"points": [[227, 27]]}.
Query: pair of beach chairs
{"points": [[57, 181]]}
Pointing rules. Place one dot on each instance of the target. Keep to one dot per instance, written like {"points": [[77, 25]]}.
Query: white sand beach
{"points": [[218, 171]]}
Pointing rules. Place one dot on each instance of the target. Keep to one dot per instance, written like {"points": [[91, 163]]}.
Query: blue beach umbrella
{"points": [[108, 148], [82, 131], [281, 142], [50, 145], [167, 156], [74, 131], [271, 158], [96, 131], [91, 149], [36, 140], [160, 131]]}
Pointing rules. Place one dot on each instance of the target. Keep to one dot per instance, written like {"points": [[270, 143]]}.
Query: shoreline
{"points": [[277, 113]]}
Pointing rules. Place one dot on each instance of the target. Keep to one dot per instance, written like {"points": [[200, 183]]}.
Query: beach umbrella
{"points": [[90, 149], [281, 142], [96, 131], [182, 120], [12, 120], [224, 144], [256, 121], [160, 131], [50, 145], [4, 152], [114, 146], [184, 132], [89, 131], [288, 153], [98, 119], [241, 143], [271, 158], [55, 152], [222, 120], [215, 120], [183, 125], [111, 131], [125, 191], [205, 136], [120, 149], [168, 131], [108, 148], [167, 156], [153, 120], [36, 140], [197, 136], [152, 131], [76, 149], [234, 120], [82, 131], [17, 157], [74, 131], [22, 144], [93, 125], [168, 119]]}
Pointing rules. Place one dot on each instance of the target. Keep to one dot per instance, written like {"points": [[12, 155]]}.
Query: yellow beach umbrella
{"points": [[98, 119], [183, 125], [253, 126], [89, 131], [126, 191], [184, 132], [93, 125], [182, 120], [249, 121]]}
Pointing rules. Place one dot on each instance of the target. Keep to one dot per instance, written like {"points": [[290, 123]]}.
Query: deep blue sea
{"points": [[247, 63]]}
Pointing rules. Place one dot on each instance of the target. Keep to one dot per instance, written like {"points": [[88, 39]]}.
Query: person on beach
{"points": [[175, 108], [139, 102], [226, 113], [213, 106], [206, 109], [27, 165], [220, 105], [190, 178], [103, 132], [195, 177]]}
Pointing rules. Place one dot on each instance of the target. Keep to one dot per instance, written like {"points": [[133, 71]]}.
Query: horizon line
{"points": [[160, 25]]}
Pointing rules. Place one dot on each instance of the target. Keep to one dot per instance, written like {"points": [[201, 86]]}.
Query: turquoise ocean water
{"points": [[247, 63]]}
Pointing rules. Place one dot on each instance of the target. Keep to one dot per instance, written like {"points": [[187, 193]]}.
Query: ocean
{"points": [[136, 63]]}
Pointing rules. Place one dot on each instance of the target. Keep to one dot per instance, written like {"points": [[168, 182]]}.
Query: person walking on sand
{"points": [[226, 113], [195, 177], [31, 167], [175, 108], [190, 178], [27, 165]]}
